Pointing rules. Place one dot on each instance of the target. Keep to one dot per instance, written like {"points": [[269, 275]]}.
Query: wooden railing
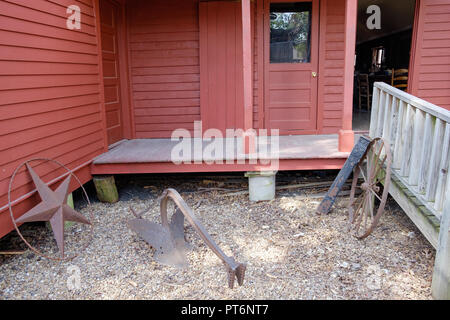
{"points": [[419, 135]]}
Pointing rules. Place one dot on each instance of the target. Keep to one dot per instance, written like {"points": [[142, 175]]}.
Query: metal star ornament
{"points": [[53, 208]]}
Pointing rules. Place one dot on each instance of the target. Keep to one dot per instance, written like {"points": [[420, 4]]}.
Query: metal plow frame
{"points": [[170, 236]]}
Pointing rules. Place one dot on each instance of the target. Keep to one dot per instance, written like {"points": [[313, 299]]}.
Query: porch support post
{"points": [[346, 134], [247, 74]]}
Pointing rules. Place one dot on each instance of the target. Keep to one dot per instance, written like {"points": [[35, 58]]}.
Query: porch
{"points": [[167, 69], [299, 152]]}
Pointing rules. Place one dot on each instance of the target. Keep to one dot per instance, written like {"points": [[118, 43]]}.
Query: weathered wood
{"points": [[355, 157], [416, 102], [407, 141], [398, 191], [393, 124], [420, 182], [440, 286], [380, 118], [374, 112], [435, 160], [106, 189], [387, 116], [443, 171], [416, 142], [398, 149], [425, 156], [419, 197]]}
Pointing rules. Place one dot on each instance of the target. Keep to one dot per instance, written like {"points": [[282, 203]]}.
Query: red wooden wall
{"points": [[430, 66], [221, 77], [164, 57], [331, 66], [165, 72], [50, 94]]}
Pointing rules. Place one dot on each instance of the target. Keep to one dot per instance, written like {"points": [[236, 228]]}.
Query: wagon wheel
{"points": [[368, 199]]}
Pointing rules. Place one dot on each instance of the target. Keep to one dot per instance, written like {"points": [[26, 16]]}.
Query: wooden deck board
{"points": [[159, 150]]}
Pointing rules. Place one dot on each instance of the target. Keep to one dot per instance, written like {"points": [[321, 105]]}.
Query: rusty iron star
{"points": [[53, 208]]}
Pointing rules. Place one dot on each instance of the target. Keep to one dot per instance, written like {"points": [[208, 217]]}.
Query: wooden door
{"points": [[291, 42], [109, 16], [221, 77]]}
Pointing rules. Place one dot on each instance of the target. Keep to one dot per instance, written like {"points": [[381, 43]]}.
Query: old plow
{"points": [[168, 238]]}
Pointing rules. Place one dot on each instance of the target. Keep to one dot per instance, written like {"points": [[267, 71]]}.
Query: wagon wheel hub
{"points": [[370, 186], [365, 186]]}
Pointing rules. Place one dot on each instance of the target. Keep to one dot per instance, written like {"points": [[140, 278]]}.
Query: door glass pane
{"points": [[290, 32]]}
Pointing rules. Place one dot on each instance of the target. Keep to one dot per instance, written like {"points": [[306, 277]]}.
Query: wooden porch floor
{"points": [[299, 152]]}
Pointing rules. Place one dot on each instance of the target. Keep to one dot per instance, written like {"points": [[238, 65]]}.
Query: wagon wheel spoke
{"points": [[366, 210], [362, 172], [379, 165], [374, 160], [375, 194], [360, 204], [359, 212], [371, 206], [356, 213]]}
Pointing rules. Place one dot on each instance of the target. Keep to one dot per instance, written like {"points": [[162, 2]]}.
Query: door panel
{"points": [[109, 13], [221, 77], [291, 43]]}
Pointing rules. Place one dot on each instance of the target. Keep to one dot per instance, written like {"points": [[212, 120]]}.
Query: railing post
{"points": [[374, 110], [425, 157], [440, 287], [398, 150], [443, 170]]}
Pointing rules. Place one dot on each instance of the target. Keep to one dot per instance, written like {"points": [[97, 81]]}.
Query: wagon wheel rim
{"points": [[367, 207]]}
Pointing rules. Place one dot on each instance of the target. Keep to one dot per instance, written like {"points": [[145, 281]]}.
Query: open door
{"points": [[110, 13]]}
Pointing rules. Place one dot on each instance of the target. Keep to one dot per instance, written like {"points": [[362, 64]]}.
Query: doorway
{"points": [[291, 44], [110, 17], [383, 52]]}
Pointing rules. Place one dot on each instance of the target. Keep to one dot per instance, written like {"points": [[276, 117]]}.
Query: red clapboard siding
{"points": [[430, 69], [165, 71], [49, 95], [331, 65], [221, 90]]}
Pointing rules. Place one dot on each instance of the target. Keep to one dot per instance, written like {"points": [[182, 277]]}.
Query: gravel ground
{"points": [[291, 253]]}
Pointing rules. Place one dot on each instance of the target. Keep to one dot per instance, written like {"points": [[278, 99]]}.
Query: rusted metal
{"points": [[53, 208], [366, 209], [355, 157], [168, 239]]}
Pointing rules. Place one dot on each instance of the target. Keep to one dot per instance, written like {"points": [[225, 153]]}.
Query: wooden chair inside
{"points": [[400, 79], [364, 91]]}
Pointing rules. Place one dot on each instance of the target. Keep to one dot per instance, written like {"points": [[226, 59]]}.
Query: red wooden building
{"points": [[137, 70]]}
